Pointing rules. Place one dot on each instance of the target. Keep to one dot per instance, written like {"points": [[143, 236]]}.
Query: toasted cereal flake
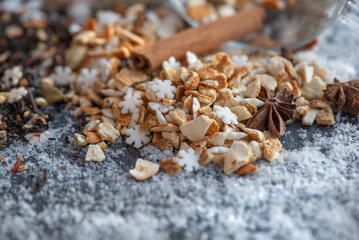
{"points": [[188, 159], [238, 155], [256, 150], [196, 129], [267, 81], [2, 134], [132, 101], [137, 137], [173, 137], [253, 89], [144, 169], [95, 154], [205, 157], [325, 117], [247, 169], [195, 107], [226, 115], [217, 139], [274, 66], [107, 132], [164, 89], [217, 150], [63, 75], [175, 118], [80, 139], [242, 113], [161, 119], [254, 134], [127, 77], [270, 149], [308, 119], [235, 135], [170, 166]]}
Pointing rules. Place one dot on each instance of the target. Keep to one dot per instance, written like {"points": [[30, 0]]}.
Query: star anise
{"points": [[276, 112], [345, 95]]}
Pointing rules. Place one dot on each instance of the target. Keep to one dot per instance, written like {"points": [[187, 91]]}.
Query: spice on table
{"points": [[344, 95], [277, 110]]}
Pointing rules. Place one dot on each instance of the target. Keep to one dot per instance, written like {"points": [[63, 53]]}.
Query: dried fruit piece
{"points": [[170, 166], [238, 156], [247, 169], [196, 129], [95, 154], [325, 117], [144, 170], [270, 149]]}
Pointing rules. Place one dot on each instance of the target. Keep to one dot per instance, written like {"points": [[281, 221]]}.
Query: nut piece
{"points": [[205, 157], [270, 149], [247, 169], [309, 118], [325, 117], [196, 129], [170, 166], [107, 132], [144, 169], [238, 155], [95, 154], [80, 139]]}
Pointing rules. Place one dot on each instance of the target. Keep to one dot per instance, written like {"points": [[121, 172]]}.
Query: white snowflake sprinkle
{"points": [[226, 115], [193, 61], [87, 77], [16, 94], [188, 160], [159, 106], [107, 17], [171, 63], [104, 68], [12, 76], [132, 101], [63, 75], [164, 89], [137, 137]]}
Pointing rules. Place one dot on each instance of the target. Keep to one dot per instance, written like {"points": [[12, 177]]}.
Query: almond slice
{"points": [[325, 117]]}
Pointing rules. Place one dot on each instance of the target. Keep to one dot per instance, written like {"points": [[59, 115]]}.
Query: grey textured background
{"points": [[312, 192]]}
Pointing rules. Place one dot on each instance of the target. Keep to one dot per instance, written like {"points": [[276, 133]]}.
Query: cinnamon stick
{"points": [[199, 39]]}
